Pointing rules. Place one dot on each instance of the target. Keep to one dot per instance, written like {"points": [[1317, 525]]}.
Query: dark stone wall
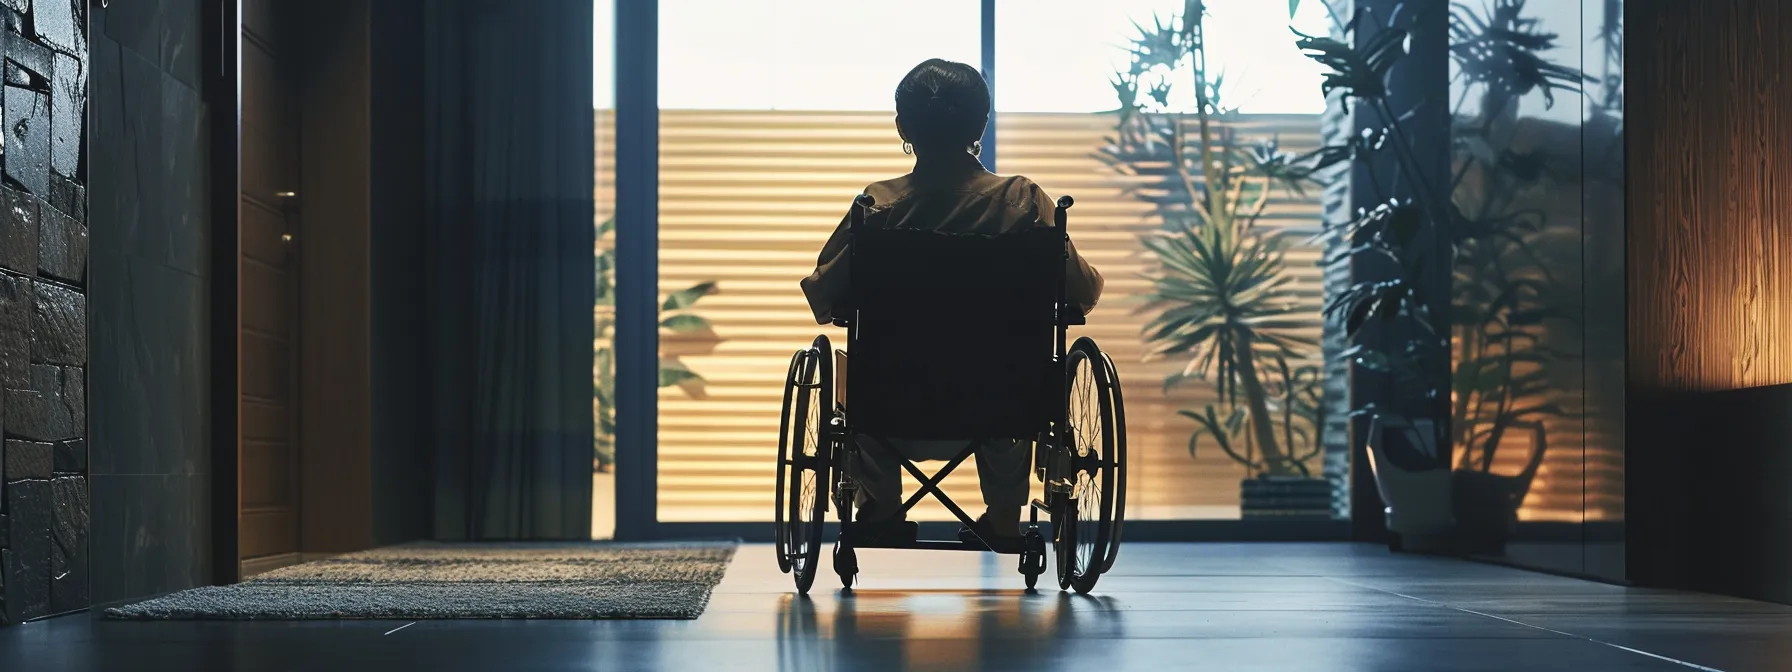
{"points": [[45, 508], [151, 281]]}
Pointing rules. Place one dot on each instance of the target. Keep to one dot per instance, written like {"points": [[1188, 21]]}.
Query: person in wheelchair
{"points": [[942, 108]]}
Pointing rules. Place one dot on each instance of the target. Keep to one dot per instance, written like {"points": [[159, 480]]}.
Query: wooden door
{"points": [[268, 446]]}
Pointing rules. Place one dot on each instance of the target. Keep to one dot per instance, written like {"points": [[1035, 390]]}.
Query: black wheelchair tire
{"points": [[808, 444], [1091, 512], [1120, 469], [780, 534]]}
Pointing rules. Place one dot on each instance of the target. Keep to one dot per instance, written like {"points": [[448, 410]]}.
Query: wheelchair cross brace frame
{"points": [[929, 486]]}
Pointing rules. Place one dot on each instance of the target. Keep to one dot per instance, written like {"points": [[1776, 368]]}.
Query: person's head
{"points": [[942, 106]]}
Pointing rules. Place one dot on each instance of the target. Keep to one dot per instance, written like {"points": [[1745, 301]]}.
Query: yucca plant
{"points": [[676, 317], [1223, 298]]}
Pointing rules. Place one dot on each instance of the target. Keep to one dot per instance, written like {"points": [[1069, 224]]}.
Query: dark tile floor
{"points": [[1166, 607]]}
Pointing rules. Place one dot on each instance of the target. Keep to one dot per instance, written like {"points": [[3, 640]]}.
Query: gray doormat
{"points": [[444, 581]]}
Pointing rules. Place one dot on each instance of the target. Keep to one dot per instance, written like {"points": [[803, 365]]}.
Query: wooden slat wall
{"points": [[747, 197]]}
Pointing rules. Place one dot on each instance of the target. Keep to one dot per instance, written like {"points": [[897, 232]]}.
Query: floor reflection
{"points": [[937, 629]]}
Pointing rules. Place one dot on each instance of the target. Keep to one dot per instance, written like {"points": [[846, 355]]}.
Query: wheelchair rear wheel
{"points": [[805, 454], [1087, 520]]}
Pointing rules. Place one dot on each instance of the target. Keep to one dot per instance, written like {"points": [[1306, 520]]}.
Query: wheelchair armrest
{"points": [[1076, 319], [842, 323]]}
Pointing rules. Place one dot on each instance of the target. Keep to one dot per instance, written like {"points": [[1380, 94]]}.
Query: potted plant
{"points": [[1485, 325], [679, 325], [1516, 320], [1220, 291]]}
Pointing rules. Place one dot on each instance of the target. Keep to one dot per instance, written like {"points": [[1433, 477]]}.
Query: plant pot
{"points": [[1285, 498], [1417, 494], [1486, 509], [1486, 505]]}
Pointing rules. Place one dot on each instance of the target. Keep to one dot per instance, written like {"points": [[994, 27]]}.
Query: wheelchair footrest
{"points": [[938, 545]]}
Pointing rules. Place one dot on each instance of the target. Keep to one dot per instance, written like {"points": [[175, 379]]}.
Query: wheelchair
{"points": [[952, 336]]}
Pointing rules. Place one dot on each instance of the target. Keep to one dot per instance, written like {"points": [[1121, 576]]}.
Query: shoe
{"points": [[983, 534]]}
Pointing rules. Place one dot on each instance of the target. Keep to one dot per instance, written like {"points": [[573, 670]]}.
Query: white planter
{"points": [[1418, 502]]}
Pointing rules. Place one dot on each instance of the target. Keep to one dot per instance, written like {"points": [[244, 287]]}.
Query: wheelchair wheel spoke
{"points": [[1091, 517]]}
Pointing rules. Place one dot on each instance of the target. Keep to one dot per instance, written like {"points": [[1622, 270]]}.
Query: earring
{"points": [[908, 148], [977, 149]]}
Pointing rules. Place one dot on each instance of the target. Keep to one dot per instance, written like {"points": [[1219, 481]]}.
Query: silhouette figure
{"points": [[942, 108]]}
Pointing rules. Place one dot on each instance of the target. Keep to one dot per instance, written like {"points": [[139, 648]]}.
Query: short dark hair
{"points": [[942, 103]]}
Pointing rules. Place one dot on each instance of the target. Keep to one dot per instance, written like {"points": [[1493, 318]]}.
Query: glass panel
{"points": [[1602, 138], [774, 114], [603, 486], [1058, 64], [1519, 310]]}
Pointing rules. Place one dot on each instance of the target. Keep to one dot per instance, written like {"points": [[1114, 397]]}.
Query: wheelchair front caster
{"points": [[1032, 559], [846, 564]]}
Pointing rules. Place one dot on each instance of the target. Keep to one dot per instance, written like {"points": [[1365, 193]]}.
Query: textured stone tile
{"points": [[185, 183], [62, 247], [68, 197], [17, 298], [6, 596], [136, 25], [20, 6], [16, 76], [28, 459], [70, 508], [181, 42], [59, 327], [147, 355], [68, 114], [36, 59], [52, 409], [18, 231], [57, 25], [71, 457], [28, 138], [28, 575]]}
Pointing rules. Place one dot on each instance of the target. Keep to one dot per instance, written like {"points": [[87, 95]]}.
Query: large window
{"points": [[1062, 67], [773, 113], [603, 402]]}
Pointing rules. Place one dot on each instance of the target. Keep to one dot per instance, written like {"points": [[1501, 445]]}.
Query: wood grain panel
{"points": [[1710, 194], [268, 466], [271, 318], [269, 480], [262, 228], [270, 134], [334, 336], [1709, 198], [265, 422], [266, 374]]}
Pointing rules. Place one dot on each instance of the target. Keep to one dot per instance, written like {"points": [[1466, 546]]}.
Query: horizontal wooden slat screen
{"points": [[746, 199]]}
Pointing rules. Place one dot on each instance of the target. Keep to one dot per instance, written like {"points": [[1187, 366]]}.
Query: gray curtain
{"points": [[508, 241]]}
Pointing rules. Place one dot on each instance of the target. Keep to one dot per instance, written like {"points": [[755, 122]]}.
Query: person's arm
{"points": [[829, 285], [1082, 283]]}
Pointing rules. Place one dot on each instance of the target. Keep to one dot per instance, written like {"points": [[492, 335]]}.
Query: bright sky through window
{"points": [[1052, 55]]}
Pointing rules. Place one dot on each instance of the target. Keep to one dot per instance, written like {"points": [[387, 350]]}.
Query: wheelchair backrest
{"points": [[955, 334]]}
